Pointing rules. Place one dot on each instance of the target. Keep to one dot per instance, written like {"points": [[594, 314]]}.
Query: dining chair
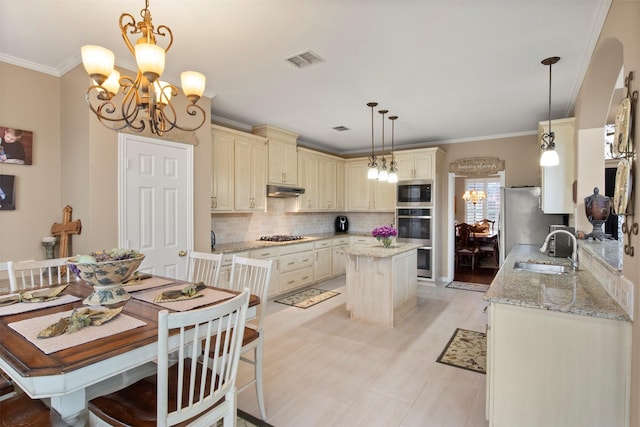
{"points": [[466, 247], [204, 267], [489, 248], [6, 268], [188, 391], [21, 410], [38, 273], [254, 274], [7, 389]]}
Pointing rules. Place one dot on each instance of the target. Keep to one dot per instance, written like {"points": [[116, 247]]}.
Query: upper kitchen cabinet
{"points": [[363, 194], [557, 181], [222, 178], [416, 164], [250, 173], [283, 163], [321, 175]]}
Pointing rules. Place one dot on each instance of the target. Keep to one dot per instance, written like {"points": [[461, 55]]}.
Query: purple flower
{"points": [[384, 231]]}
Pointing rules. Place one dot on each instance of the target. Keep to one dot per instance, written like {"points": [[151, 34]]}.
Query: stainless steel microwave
{"points": [[415, 193]]}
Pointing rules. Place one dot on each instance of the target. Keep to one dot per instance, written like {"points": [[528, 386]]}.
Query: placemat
{"points": [[30, 328], [23, 307], [152, 282], [209, 296]]}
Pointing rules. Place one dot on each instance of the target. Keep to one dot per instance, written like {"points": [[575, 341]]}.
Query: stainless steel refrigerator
{"points": [[522, 219]]}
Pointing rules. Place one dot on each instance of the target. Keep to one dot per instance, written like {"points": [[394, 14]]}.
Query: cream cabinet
{"points": [[295, 265], [367, 195], [283, 163], [416, 164], [557, 181], [547, 368], [340, 186], [308, 179], [339, 260], [225, 268], [250, 175], [322, 268], [222, 177]]}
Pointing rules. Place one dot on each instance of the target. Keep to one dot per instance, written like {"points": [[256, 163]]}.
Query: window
{"points": [[488, 208]]}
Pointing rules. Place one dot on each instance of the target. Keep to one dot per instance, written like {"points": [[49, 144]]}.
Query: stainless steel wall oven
{"points": [[415, 226]]}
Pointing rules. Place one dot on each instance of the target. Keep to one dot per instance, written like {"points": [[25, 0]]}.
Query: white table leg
{"points": [[72, 407]]}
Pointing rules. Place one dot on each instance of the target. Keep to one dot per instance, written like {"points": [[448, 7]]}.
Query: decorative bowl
{"points": [[106, 278]]}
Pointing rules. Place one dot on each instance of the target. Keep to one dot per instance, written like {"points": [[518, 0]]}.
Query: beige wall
{"points": [[75, 163], [30, 100], [621, 27]]}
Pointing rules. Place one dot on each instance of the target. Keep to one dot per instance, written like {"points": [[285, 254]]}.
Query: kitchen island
{"points": [[558, 347], [381, 283]]}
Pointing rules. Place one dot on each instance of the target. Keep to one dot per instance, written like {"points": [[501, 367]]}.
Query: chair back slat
{"points": [[204, 267], [199, 391]]}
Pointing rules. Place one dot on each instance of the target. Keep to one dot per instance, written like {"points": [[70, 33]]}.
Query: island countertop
{"points": [[577, 293], [378, 250]]}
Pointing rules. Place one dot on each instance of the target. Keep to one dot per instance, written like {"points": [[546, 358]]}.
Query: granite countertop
{"points": [[259, 244], [378, 250], [577, 292]]}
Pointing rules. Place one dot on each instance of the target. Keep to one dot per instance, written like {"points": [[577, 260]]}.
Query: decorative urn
{"points": [[597, 208]]}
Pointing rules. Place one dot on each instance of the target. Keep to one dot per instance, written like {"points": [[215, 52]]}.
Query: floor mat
{"points": [[248, 420], [307, 297], [467, 350], [467, 286]]}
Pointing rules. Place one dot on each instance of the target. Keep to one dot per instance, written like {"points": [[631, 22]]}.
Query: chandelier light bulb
{"points": [[549, 158], [150, 60], [193, 84], [98, 62], [112, 84]]}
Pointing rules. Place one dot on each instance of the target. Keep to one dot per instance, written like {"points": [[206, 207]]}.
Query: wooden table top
{"points": [[29, 361]]}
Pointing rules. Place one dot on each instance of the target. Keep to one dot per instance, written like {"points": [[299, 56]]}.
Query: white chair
{"points": [[7, 269], [204, 267], [39, 273], [254, 274], [187, 390]]}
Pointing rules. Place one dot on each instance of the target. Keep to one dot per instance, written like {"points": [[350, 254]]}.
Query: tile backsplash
{"points": [[239, 227]]}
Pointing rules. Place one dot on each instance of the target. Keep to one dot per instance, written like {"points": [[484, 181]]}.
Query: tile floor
{"points": [[323, 369]]}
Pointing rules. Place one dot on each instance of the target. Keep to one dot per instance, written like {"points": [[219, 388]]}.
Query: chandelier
{"points": [[474, 196], [549, 155], [145, 100], [380, 171]]}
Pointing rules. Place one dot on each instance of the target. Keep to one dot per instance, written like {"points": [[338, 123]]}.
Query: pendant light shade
{"points": [[373, 164], [383, 173], [549, 155]]}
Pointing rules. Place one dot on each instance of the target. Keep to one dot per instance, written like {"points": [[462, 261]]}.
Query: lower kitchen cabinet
{"points": [[546, 368], [322, 268], [295, 265], [225, 269], [272, 254], [339, 259]]}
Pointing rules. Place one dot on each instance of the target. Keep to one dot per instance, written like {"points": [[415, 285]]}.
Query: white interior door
{"points": [[156, 202]]}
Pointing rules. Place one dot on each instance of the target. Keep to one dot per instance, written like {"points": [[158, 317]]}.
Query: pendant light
{"points": [[373, 165], [393, 169], [383, 173], [549, 155]]}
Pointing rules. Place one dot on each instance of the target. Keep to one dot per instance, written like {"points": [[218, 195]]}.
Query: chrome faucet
{"points": [[574, 256]]}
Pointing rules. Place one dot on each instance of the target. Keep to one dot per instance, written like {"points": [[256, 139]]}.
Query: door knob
{"points": [[182, 253]]}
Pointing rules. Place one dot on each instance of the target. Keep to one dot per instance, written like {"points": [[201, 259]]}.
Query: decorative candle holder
{"points": [[49, 243]]}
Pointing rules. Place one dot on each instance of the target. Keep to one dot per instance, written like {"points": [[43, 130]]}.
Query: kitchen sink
{"points": [[535, 267]]}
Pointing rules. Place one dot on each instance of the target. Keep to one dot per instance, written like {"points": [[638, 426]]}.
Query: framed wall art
{"points": [[16, 146], [7, 192]]}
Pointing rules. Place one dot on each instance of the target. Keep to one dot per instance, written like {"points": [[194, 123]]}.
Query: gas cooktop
{"points": [[280, 238]]}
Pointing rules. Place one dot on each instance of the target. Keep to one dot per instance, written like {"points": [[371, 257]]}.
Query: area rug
{"points": [[467, 350], [307, 298], [248, 420], [467, 286]]}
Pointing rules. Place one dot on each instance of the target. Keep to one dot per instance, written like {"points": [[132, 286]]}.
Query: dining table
{"points": [[68, 374]]}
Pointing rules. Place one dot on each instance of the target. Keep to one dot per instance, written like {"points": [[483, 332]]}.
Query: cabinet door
{"points": [[385, 196], [283, 163], [250, 176], [423, 165], [222, 197], [308, 179], [322, 265], [339, 261], [327, 184], [406, 167], [340, 185], [259, 177], [557, 181], [358, 187]]}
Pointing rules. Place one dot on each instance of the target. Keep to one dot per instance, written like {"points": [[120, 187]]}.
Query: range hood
{"points": [[282, 191]]}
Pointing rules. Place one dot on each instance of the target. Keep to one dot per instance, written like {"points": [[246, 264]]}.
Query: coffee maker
{"points": [[342, 224]]}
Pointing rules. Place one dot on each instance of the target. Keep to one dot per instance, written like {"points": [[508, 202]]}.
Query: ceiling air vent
{"points": [[340, 128], [304, 59]]}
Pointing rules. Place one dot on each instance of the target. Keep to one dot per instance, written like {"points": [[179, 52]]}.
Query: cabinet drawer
{"points": [[296, 279], [296, 247], [264, 253], [228, 257], [340, 241], [322, 244], [296, 261], [362, 240]]}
